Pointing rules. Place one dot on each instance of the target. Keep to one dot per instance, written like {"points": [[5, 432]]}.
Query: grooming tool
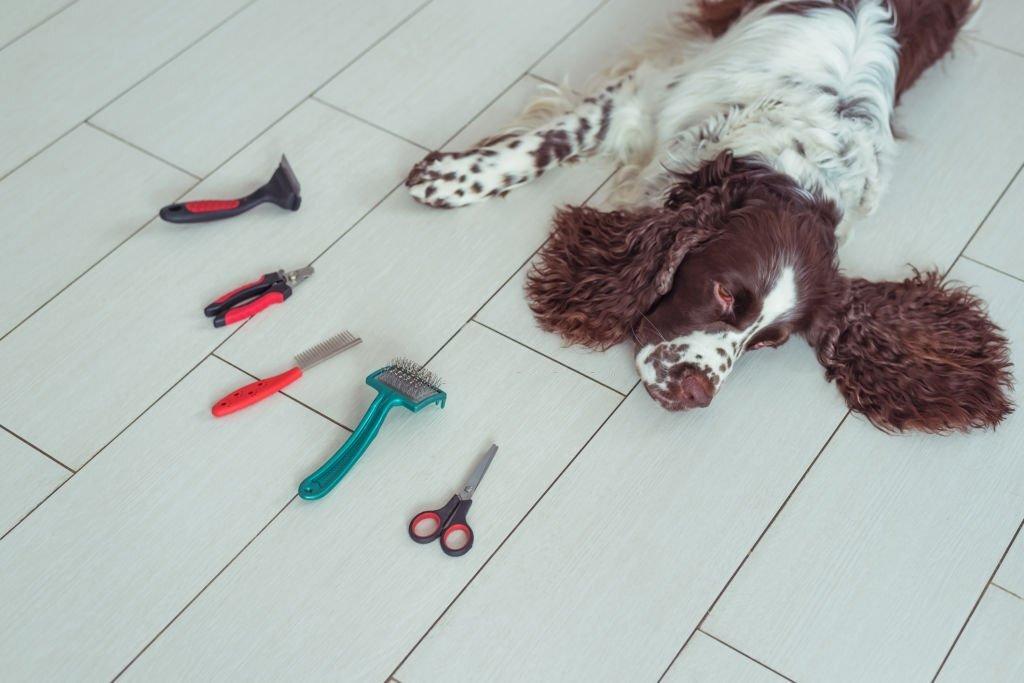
{"points": [[257, 391], [449, 522], [402, 383], [282, 189], [251, 298]]}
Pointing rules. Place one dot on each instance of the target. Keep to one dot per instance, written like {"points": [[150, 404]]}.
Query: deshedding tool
{"points": [[402, 383], [282, 189], [257, 391]]}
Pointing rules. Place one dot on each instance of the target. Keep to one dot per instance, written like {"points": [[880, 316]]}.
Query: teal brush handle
{"points": [[320, 483]]}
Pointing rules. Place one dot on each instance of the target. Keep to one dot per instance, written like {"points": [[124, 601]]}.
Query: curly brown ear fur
{"points": [[915, 355], [601, 270]]}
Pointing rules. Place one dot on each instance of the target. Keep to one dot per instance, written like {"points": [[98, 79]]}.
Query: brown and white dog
{"points": [[751, 134]]}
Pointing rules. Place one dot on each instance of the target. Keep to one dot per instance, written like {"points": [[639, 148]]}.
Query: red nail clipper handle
{"points": [[254, 393], [248, 310]]}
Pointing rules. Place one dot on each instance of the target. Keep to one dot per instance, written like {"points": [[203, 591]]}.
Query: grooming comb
{"points": [[402, 383], [257, 391]]}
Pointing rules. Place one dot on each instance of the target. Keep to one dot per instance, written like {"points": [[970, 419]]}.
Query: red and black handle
{"points": [[248, 300], [205, 210], [448, 523]]}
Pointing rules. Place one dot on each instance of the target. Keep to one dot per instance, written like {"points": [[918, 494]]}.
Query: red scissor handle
{"points": [[447, 523], [210, 205]]}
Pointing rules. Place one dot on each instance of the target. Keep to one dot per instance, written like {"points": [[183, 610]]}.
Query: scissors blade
{"points": [[478, 473]]}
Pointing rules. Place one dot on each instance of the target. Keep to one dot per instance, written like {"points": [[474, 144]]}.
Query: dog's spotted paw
{"points": [[447, 180]]}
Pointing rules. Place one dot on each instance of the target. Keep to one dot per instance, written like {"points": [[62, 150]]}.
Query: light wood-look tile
{"points": [[20, 16], [949, 173], [1011, 571], [604, 37], [96, 571], [27, 477], [873, 566], [65, 70], [121, 335], [335, 589], [68, 207], [1000, 242], [408, 277], [1002, 23], [509, 314], [991, 648], [245, 75], [617, 565], [436, 71], [705, 660]]}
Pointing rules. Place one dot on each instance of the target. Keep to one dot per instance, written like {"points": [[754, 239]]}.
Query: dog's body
{"points": [[752, 135]]}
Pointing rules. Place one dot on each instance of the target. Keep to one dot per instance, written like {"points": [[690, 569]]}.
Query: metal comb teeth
{"points": [[326, 349], [412, 379]]}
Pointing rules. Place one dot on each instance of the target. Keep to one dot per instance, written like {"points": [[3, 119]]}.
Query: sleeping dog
{"points": [[752, 134]]}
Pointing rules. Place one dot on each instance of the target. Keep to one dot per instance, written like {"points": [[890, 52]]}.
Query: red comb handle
{"points": [[254, 393], [250, 309]]}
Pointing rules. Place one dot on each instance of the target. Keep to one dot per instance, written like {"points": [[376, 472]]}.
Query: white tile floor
{"points": [[140, 538]]}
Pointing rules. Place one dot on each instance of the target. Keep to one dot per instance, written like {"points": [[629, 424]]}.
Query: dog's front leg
{"points": [[451, 179]]}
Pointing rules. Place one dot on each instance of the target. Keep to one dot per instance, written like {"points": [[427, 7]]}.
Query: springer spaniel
{"points": [[751, 135]]}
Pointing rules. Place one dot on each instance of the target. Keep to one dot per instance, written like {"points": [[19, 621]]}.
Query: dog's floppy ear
{"points": [[915, 355], [601, 270]]}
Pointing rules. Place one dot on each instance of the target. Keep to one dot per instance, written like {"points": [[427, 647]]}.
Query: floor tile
{"points": [[1000, 242], [1011, 571], [705, 660], [614, 569], [28, 477], [408, 277], [95, 573], [948, 175], [509, 314], [22, 15], [604, 38], [145, 328], [61, 73], [875, 563], [70, 206], [434, 73], [243, 85], [990, 648], [1002, 23], [335, 588]]}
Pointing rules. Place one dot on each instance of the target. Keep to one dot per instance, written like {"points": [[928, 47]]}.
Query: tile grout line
{"points": [[544, 355], [764, 532], [96, 127], [965, 257], [283, 393], [744, 654], [132, 86], [36, 448], [85, 272], [985, 41], [203, 589], [1006, 590], [600, 5], [508, 535], [36, 25], [974, 608], [368, 122], [984, 219]]}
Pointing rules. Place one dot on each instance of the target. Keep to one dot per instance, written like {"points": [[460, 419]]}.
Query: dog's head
{"points": [[739, 259]]}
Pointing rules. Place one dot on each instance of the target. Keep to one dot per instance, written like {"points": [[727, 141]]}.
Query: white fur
{"points": [[716, 353]]}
